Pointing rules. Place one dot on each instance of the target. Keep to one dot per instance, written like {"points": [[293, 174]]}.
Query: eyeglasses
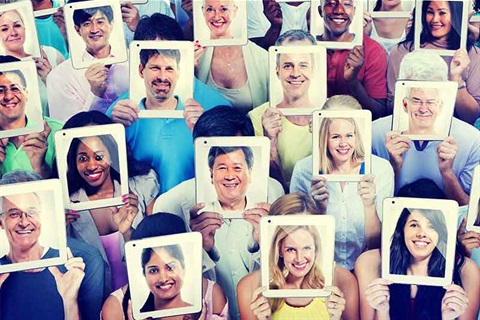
{"points": [[18, 214], [14, 89], [429, 103]]}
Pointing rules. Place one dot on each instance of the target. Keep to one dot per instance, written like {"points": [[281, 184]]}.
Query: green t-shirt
{"points": [[17, 159]]}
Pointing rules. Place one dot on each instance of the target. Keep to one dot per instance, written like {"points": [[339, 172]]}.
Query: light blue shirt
{"points": [[422, 162], [347, 206]]}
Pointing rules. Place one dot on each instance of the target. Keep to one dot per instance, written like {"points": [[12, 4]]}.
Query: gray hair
{"points": [[18, 176], [295, 35], [423, 66]]}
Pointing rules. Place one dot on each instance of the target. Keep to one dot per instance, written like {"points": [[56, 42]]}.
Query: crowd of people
{"points": [[231, 98]]}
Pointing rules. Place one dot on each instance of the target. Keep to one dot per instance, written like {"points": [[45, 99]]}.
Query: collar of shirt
{"points": [[88, 57]]}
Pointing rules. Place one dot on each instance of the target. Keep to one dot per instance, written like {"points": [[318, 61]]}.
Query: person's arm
{"points": [[112, 309], [466, 107], [348, 286], [35, 146], [252, 305], [220, 303], [367, 268], [353, 64], [447, 150], [470, 276], [68, 284], [272, 126], [396, 146], [373, 226], [123, 217], [273, 12]]}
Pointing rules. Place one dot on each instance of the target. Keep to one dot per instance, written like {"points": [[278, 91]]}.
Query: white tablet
{"points": [[32, 217], [231, 173], [166, 268], [458, 10], [402, 10], [49, 11], [158, 71], [89, 159], [424, 110], [415, 230], [473, 217], [95, 33], [342, 144], [294, 247]]}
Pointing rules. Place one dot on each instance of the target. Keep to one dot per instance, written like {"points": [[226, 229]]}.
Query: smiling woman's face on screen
{"points": [[12, 31], [93, 161], [420, 237], [219, 15], [298, 252], [439, 19]]}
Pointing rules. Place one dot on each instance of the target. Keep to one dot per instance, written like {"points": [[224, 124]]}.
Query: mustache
{"points": [[160, 81]]}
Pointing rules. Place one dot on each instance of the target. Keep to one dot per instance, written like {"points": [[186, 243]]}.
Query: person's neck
{"points": [[418, 267], [396, 7], [153, 104], [293, 102], [31, 254], [106, 190], [175, 302], [234, 205], [19, 54], [346, 167], [227, 52], [42, 4], [344, 37], [102, 53]]}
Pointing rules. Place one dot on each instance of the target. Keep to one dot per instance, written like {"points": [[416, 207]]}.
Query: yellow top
{"points": [[294, 142], [315, 310]]}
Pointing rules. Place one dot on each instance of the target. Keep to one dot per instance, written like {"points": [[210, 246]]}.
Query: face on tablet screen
{"points": [[164, 270], [295, 258], [93, 164], [422, 105], [341, 146], [95, 25], [219, 15], [419, 237], [230, 171], [20, 220], [13, 97]]}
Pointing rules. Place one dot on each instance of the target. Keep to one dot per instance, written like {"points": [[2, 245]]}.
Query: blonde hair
{"points": [[342, 102], [326, 162], [293, 203]]}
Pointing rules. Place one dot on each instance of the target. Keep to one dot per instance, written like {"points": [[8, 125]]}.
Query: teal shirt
{"points": [[49, 34], [17, 159]]}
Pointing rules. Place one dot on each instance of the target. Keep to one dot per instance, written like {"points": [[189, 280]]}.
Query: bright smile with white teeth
{"points": [[420, 243], [93, 176], [296, 82], [343, 152], [165, 286], [230, 185], [217, 24], [24, 231], [300, 266]]}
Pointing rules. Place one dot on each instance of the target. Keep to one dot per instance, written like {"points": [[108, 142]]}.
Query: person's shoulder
{"points": [[54, 124], [380, 164], [369, 258], [470, 270], [250, 282], [372, 45], [381, 126]]}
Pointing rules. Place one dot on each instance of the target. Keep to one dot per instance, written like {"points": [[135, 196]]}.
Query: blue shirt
{"points": [[422, 162], [49, 34], [167, 144]]}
